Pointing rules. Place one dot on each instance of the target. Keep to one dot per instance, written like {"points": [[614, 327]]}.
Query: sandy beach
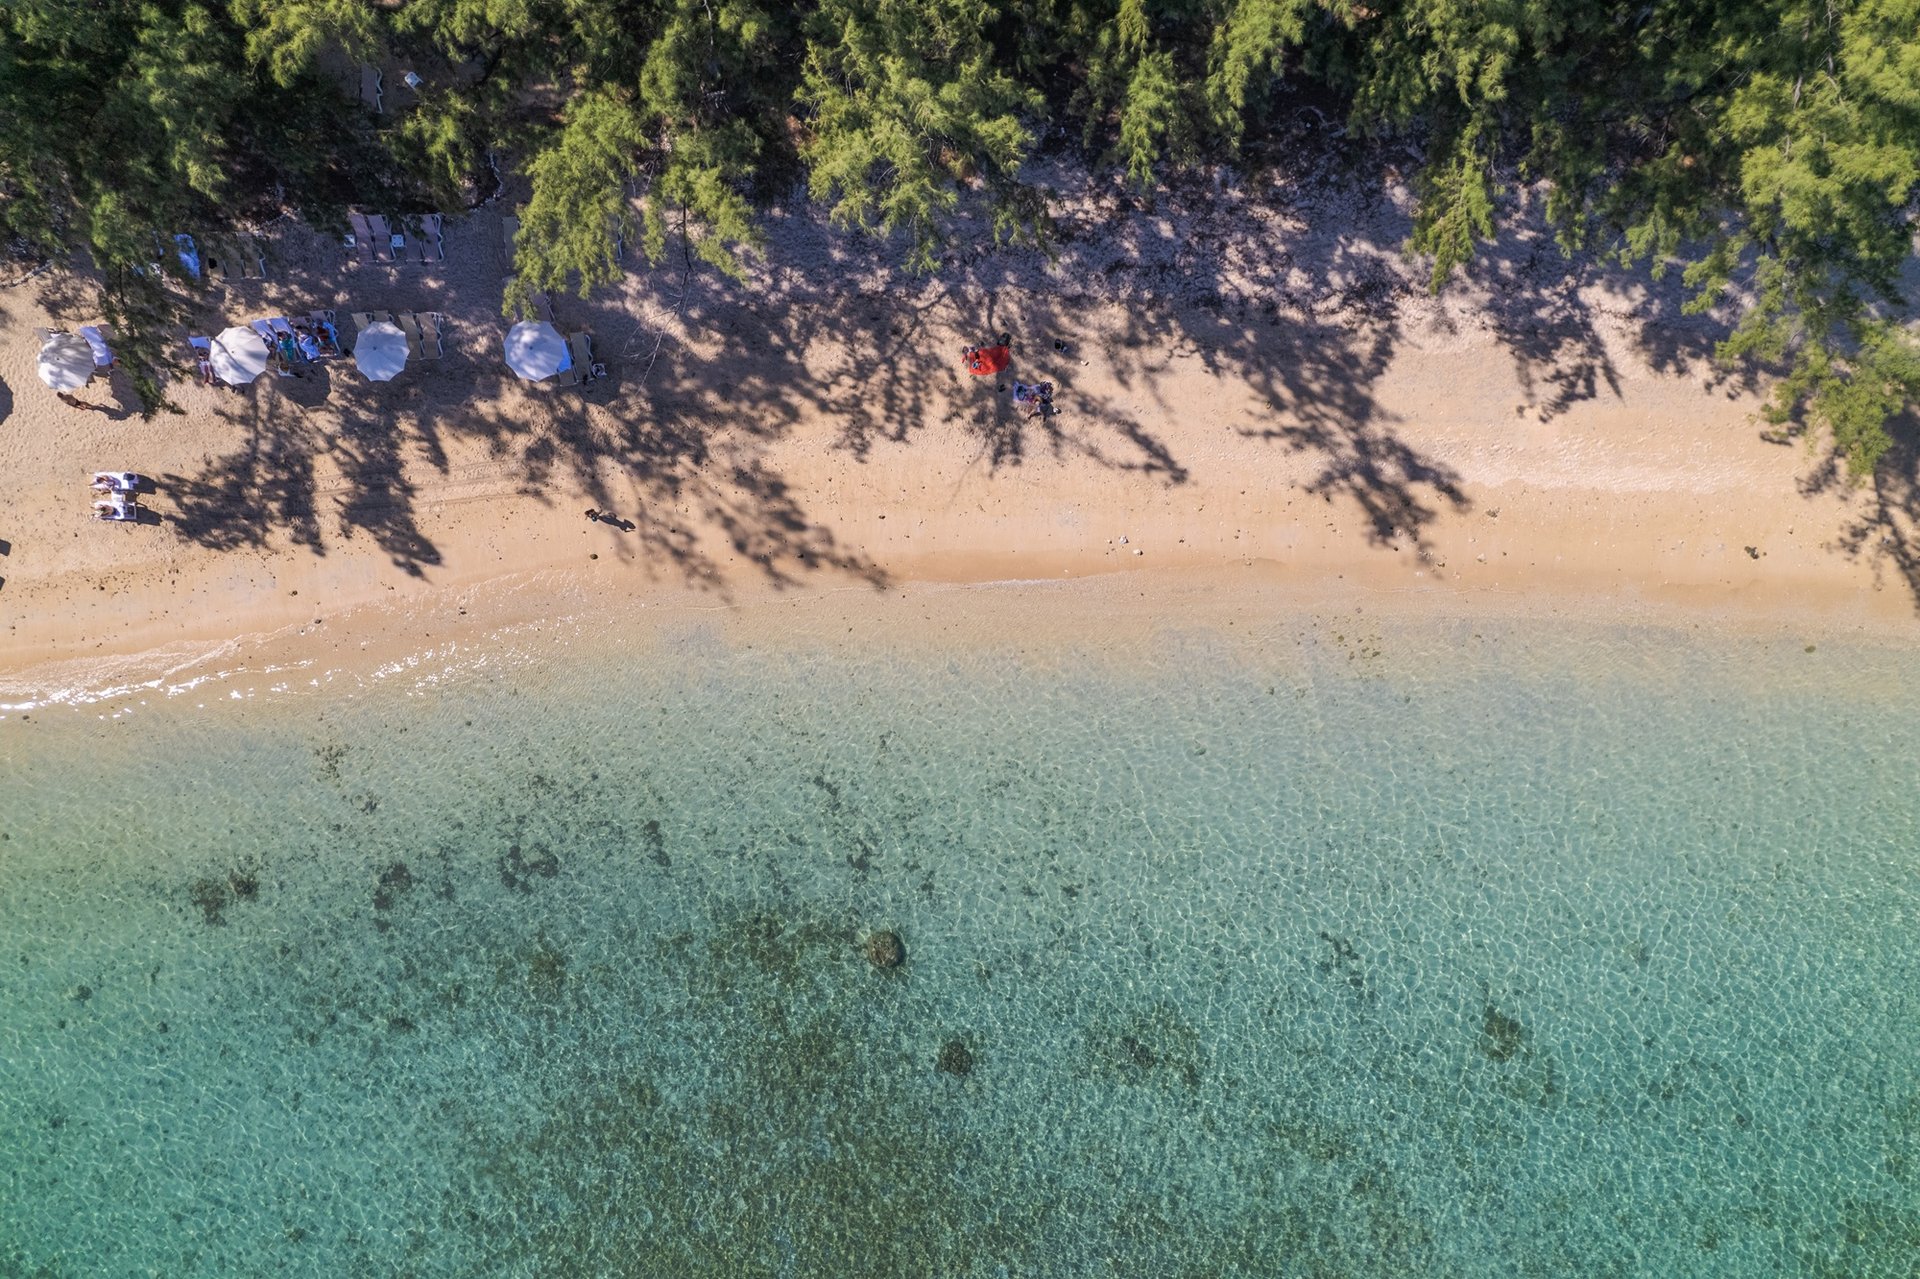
{"points": [[1235, 393]]}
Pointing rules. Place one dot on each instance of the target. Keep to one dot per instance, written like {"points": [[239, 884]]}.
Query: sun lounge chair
{"points": [[324, 328], [411, 327], [361, 319], [431, 323], [359, 238], [580, 346], [373, 88], [422, 245], [283, 327], [278, 362], [236, 256], [380, 237], [120, 506]]}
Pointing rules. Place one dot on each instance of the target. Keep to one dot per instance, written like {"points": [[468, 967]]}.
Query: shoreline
{"points": [[537, 618]]}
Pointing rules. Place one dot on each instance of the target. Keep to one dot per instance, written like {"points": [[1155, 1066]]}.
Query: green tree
{"points": [[906, 108], [123, 123], [1770, 147]]}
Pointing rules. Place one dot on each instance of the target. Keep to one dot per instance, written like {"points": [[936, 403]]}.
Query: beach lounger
{"points": [[283, 327], [431, 322], [580, 346], [423, 245], [120, 506], [359, 238], [323, 326], [381, 238], [236, 256], [410, 326], [268, 335], [202, 354], [361, 319], [373, 88]]}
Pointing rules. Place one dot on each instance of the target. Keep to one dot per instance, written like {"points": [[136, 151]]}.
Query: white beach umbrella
{"points": [[66, 361], [535, 350], [239, 356], [380, 351]]}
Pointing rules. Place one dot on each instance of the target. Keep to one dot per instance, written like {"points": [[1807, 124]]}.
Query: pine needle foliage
{"points": [[1768, 150]]}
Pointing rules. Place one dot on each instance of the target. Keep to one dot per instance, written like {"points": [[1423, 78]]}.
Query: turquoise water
{"points": [[1347, 950]]}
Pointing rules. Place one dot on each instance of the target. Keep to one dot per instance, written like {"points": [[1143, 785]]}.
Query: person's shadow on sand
{"points": [[607, 517]]}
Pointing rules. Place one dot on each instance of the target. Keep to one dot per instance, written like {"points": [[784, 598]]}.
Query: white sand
{"points": [[1234, 390]]}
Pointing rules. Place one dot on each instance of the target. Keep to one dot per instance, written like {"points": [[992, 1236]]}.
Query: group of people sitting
{"points": [[291, 344], [995, 358], [1036, 398], [299, 342]]}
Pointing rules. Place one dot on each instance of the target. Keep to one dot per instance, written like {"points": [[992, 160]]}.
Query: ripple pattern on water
{"points": [[1431, 951]]}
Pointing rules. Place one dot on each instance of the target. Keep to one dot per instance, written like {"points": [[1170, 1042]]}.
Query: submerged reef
{"points": [[885, 949]]}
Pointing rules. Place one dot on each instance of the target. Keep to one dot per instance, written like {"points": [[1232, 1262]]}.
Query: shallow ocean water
{"points": [[1348, 949]]}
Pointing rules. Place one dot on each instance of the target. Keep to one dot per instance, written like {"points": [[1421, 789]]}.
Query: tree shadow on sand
{"points": [[331, 458], [1885, 531], [1400, 490], [262, 489], [268, 490], [1290, 294]]}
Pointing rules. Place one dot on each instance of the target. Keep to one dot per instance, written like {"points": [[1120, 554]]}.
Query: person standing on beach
{"points": [[75, 402]]}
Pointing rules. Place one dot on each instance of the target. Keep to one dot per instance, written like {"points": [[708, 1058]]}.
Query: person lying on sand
{"points": [[1035, 398]]}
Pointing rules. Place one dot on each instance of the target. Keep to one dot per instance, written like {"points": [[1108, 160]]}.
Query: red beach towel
{"points": [[986, 361]]}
